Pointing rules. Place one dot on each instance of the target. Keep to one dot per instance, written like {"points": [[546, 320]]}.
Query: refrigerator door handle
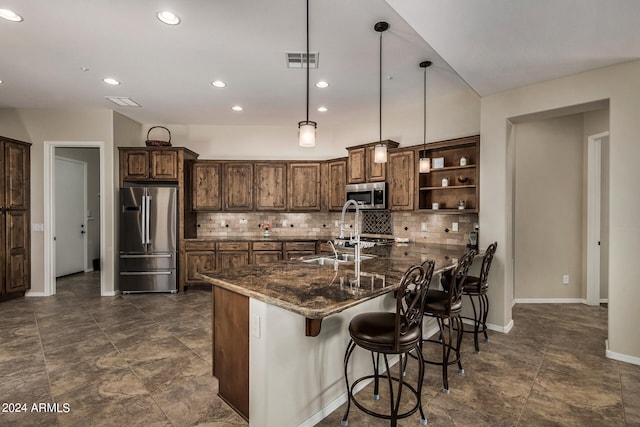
{"points": [[148, 256], [148, 202], [143, 228], [146, 273]]}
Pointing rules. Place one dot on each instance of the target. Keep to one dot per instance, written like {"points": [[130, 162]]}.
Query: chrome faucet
{"points": [[335, 254], [354, 238]]}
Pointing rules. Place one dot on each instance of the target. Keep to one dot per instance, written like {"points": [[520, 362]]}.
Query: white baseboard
{"points": [[621, 357], [491, 327], [342, 399], [604, 300], [35, 294], [549, 301], [110, 293]]}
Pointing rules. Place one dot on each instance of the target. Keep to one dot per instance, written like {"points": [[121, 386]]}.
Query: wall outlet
{"points": [[223, 223], [565, 279], [37, 227], [423, 226], [454, 226], [243, 220], [285, 222]]}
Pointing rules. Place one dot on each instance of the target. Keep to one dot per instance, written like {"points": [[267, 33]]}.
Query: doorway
{"points": [[94, 212], [70, 234]]}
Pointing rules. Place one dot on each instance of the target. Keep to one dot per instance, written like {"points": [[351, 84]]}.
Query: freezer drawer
{"points": [[148, 281], [145, 262]]}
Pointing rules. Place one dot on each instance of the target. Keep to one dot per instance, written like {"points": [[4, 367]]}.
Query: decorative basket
{"points": [[158, 142]]}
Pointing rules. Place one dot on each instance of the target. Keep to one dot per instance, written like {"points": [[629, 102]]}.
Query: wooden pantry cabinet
{"points": [[15, 217]]}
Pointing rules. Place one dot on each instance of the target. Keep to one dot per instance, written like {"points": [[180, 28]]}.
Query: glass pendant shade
{"points": [[307, 134], [425, 165], [380, 154]]}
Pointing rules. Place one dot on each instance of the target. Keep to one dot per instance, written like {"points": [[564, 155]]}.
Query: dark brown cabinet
{"points": [[361, 164], [206, 186], [336, 182], [295, 249], [304, 192], [271, 186], [200, 258], [265, 252], [139, 164], [232, 254], [15, 230], [238, 186], [401, 180]]}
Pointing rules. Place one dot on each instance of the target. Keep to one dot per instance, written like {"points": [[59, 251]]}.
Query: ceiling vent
{"points": [[123, 101], [299, 59]]}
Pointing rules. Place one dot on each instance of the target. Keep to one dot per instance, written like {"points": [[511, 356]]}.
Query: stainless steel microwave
{"points": [[371, 195]]}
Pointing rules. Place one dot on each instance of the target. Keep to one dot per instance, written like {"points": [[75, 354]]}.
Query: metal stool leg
{"points": [[347, 356]]}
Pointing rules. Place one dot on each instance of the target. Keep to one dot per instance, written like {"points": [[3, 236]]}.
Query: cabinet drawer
{"points": [[200, 246], [233, 246], [300, 246], [267, 246]]}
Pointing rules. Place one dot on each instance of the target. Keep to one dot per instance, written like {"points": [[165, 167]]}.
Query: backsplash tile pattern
{"points": [[377, 222], [417, 226]]}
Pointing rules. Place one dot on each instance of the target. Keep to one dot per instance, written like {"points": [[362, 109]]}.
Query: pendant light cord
{"points": [[424, 108], [380, 98], [307, 60]]}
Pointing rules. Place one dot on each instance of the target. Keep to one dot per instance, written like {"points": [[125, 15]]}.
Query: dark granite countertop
{"points": [[258, 239], [317, 291]]}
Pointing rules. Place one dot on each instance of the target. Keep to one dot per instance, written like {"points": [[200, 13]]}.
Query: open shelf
{"points": [[449, 187]]}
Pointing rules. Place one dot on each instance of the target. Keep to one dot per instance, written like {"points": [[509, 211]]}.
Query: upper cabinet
{"points": [[238, 186], [304, 192], [206, 186], [336, 182], [271, 186], [153, 163], [402, 187], [452, 184], [361, 164]]}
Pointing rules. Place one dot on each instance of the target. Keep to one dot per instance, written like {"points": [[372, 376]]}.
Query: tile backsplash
{"points": [[417, 226]]}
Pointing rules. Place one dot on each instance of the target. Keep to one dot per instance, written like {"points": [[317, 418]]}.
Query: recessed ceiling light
{"points": [[1, 81], [168, 18], [110, 81], [322, 109], [322, 84], [218, 83], [10, 15], [236, 108]]}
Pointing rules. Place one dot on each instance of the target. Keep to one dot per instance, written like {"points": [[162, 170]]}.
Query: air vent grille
{"points": [[123, 101], [299, 59]]}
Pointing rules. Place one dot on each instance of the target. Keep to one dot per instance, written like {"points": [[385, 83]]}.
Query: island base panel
{"points": [[231, 348]]}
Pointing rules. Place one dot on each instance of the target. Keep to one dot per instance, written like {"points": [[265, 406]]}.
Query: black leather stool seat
{"points": [[376, 332], [441, 305], [473, 285]]}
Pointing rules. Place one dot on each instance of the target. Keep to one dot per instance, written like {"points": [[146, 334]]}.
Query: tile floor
{"points": [[126, 360]]}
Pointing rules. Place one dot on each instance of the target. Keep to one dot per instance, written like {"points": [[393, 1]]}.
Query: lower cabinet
{"points": [[207, 255]]}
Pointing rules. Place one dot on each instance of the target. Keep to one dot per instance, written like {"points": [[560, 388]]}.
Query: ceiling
{"points": [[488, 46]]}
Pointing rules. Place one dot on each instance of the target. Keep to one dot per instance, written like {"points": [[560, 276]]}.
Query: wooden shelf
{"points": [[449, 168], [450, 211], [449, 187]]}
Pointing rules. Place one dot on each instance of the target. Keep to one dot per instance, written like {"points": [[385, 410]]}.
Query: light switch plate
{"points": [[37, 227], [255, 326]]}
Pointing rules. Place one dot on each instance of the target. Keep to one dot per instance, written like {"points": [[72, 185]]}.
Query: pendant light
{"points": [[307, 129], [425, 162], [380, 150]]}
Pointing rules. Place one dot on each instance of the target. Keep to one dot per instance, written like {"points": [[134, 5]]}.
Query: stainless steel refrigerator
{"points": [[148, 250]]}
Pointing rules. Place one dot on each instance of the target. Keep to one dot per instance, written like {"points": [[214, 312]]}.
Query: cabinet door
{"points": [[229, 260], [3, 260], [375, 171], [206, 186], [199, 262], [17, 251], [16, 176], [265, 257], [336, 185], [271, 186], [356, 169], [401, 181], [134, 164], [304, 187], [238, 186], [164, 164]]}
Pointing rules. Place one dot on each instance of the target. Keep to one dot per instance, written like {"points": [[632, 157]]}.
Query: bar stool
{"points": [[445, 306], [476, 287], [390, 333]]}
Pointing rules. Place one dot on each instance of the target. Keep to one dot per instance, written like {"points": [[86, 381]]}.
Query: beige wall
{"points": [[548, 208], [619, 84]]}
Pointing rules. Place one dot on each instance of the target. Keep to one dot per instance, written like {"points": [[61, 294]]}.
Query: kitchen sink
{"points": [[325, 260]]}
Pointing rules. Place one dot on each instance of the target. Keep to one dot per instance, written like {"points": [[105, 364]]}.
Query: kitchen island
{"points": [[280, 330]]}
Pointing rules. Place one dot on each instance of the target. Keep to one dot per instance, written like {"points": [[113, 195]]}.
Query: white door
{"points": [[70, 225]]}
